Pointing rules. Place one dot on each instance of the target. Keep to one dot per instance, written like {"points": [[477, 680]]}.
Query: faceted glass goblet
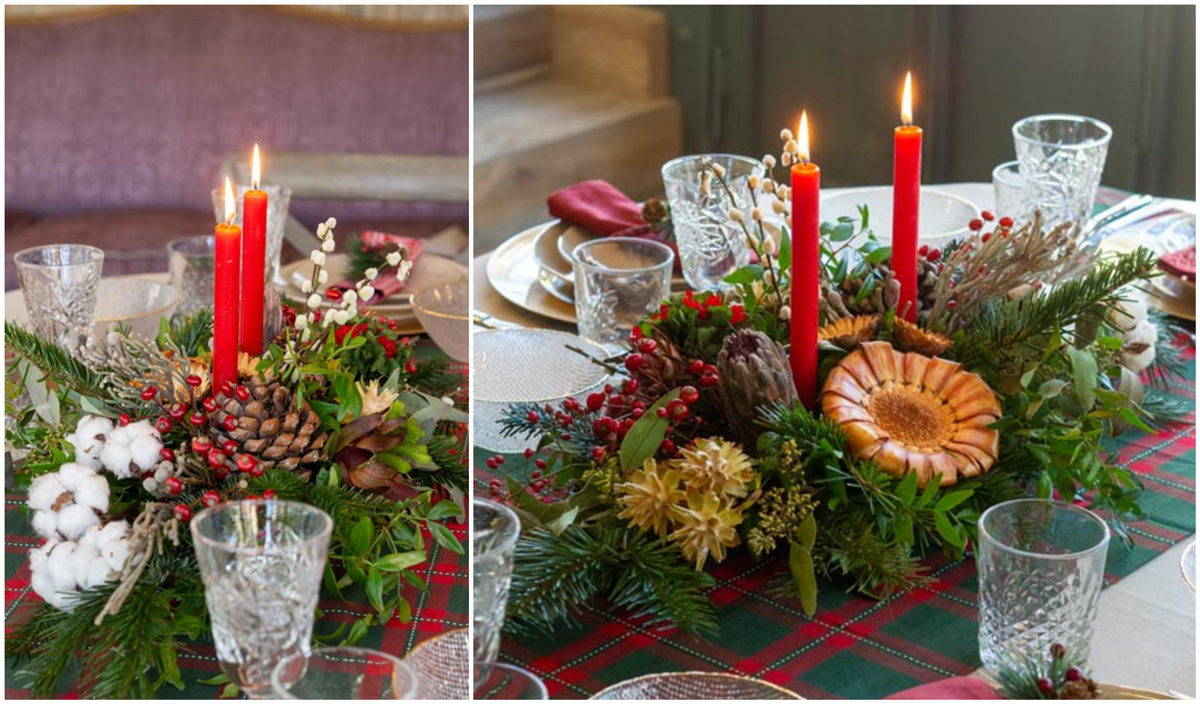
{"points": [[494, 532], [1041, 568], [711, 244], [59, 283], [190, 261], [278, 200], [262, 563], [343, 673], [504, 682], [618, 281], [1009, 191], [1061, 160]]}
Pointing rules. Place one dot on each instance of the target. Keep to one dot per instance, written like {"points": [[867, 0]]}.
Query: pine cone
{"points": [[270, 427], [654, 211], [887, 289], [1080, 689], [754, 372]]}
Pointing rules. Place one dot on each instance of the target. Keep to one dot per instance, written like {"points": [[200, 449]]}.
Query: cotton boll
{"points": [[44, 491], [115, 554], [116, 530], [144, 451], [43, 586], [88, 439], [1131, 312], [1136, 362], [72, 474], [45, 524], [38, 556], [74, 519], [86, 555], [1144, 333], [116, 459], [93, 493], [61, 566]]}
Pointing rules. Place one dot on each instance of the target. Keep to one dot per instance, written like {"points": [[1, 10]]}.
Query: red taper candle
{"points": [[906, 204], [254, 257], [806, 268], [227, 275]]}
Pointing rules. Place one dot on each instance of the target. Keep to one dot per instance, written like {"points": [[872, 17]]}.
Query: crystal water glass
{"points": [[262, 563], [618, 281], [494, 533], [343, 673], [1009, 191], [278, 199], [1061, 160], [503, 682], [1041, 568], [59, 283], [191, 263], [711, 244]]}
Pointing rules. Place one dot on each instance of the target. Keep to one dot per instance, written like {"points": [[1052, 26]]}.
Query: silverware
{"points": [[489, 321]]}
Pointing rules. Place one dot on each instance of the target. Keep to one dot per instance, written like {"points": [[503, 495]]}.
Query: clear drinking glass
{"points": [[278, 199], [1041, 568], [262, 563], [343, 673], [59, 283], [494, 533], [190, 261], [711, 245], [504, 682], [443, 665], [1009, 191], [1061, 159], [618, 281]]}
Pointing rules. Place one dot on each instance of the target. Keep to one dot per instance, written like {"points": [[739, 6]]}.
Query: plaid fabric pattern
{"points": [[445, 607], [853, 647]]}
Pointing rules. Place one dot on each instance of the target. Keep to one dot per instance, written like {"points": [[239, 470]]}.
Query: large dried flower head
{"points": [[374, 399], [650, 496], [715, 466], [849, 333], [707, 526], [912, 338]]}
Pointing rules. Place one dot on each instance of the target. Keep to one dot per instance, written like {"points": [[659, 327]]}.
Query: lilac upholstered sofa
{"points": [[117, 124]]}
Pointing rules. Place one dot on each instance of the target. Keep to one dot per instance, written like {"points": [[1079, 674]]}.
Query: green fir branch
{"points": [[59, 365]]}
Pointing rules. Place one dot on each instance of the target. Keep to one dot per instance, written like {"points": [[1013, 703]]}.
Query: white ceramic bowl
{"points": [[444, 312], [944, 217], [138, 303]]}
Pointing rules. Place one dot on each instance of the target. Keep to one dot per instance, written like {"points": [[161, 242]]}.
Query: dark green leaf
{"points": [[646, 435]]}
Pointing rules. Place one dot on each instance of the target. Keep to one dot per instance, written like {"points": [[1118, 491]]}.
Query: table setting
{"points": [[905, 441], [238, 478]]}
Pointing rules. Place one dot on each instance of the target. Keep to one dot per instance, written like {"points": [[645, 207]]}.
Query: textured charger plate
{"points": [[443, 665], [513, 270], [694, 686]]}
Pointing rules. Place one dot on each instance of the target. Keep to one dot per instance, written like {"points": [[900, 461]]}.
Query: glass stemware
{"points": [[618, 281], [343, 673], [1061, 160], [262, 563], [494, 532], [504, 682], [59, 283]]}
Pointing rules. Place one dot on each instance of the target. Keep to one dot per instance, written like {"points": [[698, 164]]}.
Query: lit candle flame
{"points": [[230, 203], [906, 102], [255, 170], [802, 137]]}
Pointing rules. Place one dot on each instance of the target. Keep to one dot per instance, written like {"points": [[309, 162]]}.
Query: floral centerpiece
{"points": [[120, 445], [1028, 350]]}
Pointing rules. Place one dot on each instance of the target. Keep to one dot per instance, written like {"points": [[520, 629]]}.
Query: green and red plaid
{"points": [[445, 607], [853, 647]]}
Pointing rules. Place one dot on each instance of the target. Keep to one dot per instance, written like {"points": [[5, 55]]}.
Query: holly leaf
{"points": [[644, 438]]}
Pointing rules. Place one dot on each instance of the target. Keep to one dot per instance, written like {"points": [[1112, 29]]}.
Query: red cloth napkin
{"points": [[1181, 263], [952, 688], [597, 207], [386, 284]]}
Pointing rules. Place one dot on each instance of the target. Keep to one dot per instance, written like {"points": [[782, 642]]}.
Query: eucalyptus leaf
{"points": [[800, 563]]}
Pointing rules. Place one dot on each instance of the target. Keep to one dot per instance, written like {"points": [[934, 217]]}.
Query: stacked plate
{"points": [[1172, 236], [430, 270]]}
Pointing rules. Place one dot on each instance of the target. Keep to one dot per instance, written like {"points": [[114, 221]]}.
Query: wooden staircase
{"points": [[564, 94]]}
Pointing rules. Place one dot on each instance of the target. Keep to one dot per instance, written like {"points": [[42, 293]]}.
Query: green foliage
{"points": [[190, 333], [557, 575], [55, 363]]}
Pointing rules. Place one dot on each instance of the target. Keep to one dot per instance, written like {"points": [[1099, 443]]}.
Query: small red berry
{"points": [[253, 497], [710, 380], [689, 395], [595, 401], [647, 346], [246, 463], [201, 444], [230, 447], [227, 388], [166, 454], [1074, 674], [987, 215], [410, 366], [975, 224], [149, 393], [124, 420], [163, 425], [634, 362], [183, 513], [1058, 650], [667, 446], [678, 410], [532, 417], [210, 404], [210, 499], [1045, 686], [565, 436], [535, 474], [177, 411], [951, 305], [216, 458], [193, 381], [334, 293], [934, 255], [269, 494], [197, 419], [923, 250], [630, 386], [986, 236], [242, 393], [638, 413], [539, 463], [528, 452], [491, 463], [499, 460], [221, 473], [598, 454], [1006, 222], [173, 485], [230, 423], [662, 412]]}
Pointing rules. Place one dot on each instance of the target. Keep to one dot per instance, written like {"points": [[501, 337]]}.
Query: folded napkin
{"points": [[387, 283], [952, 688], [1181, 263], [597, 207]]}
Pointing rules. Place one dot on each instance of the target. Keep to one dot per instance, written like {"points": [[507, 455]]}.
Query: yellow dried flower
{"points": [[707, 526], [374, 399], [650, 496], [715, 466]]}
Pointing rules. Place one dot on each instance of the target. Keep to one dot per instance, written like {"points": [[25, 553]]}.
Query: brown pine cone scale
{"points": [[270, 426]]}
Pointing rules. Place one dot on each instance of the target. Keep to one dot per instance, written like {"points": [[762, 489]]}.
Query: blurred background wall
{"points": [[742, 73]]}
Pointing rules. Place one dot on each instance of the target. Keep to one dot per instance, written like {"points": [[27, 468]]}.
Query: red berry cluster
{"points": [[1003, 226]]}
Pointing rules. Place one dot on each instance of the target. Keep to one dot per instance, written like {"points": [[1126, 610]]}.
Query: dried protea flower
{"points": [[754, 372], [715, 466], [849, 333], [907, 337], [707, 526], [650, 497], [911, 413]]}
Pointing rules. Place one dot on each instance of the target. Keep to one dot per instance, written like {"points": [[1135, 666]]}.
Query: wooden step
{"points": [[510, 39], [535, 138]]}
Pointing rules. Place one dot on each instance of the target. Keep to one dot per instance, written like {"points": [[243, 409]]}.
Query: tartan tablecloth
{"points": [[445, 607], [853, 647]]}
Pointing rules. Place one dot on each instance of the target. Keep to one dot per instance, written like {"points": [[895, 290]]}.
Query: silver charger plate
{"points": [[514, 271]]}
